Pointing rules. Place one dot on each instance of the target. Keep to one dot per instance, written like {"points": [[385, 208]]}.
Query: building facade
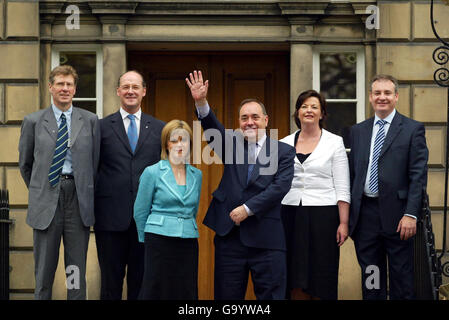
{"points": [[268, 49]]}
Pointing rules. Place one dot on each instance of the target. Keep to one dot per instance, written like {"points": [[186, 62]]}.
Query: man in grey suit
{"points": [[58, 157]]}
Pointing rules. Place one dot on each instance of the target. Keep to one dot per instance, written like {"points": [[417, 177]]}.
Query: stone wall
{"points": [[405, 43], [19, 95], [402, 46]]}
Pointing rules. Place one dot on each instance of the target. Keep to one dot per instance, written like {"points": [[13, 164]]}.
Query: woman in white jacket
{"points": [[315, 211]]}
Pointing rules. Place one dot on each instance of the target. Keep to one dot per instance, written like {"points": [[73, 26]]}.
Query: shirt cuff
{"points": [[248, 210], [203, 110], [409, 215]]}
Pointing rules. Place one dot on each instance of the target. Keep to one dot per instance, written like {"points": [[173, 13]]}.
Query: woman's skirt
{"points": [[312, 250], [170, 269]]}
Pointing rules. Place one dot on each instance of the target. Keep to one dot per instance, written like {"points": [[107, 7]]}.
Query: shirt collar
{"points": [[261, 141], [387, 119], [58, 111], [125, 114]]}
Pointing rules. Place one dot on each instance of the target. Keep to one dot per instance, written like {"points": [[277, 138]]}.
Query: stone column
{"points": [[19, 96], [301, 74], [114, 60]]}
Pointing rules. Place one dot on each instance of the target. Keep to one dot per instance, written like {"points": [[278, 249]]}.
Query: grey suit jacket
{"points": [[36, 148]]}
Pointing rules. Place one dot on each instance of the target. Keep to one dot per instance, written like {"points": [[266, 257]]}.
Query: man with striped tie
{"points": [[58, 158], [388, 167]]}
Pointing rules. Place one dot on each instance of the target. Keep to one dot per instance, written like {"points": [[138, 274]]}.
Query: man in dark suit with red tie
{"points": [[130, 141], [388, 167]]}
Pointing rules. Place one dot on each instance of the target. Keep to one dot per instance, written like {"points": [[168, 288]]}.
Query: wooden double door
{"points": [[232, 77]]}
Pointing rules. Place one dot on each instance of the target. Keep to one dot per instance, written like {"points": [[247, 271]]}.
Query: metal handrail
{"points": [[432, 265], [441, 78]]}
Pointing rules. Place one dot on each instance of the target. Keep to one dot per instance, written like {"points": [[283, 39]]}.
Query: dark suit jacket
{"points": [[402, 170], [36, 149], [119, 169], [263, 193]]}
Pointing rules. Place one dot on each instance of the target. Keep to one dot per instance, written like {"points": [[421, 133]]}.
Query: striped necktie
{"points": [[60, 152], [132, 132], [378, 143]]}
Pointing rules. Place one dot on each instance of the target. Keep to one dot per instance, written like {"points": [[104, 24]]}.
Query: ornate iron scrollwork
{"points": [[441, 57]]}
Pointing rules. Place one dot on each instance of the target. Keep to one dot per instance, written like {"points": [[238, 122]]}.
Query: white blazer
{"points": [[323, 179]]}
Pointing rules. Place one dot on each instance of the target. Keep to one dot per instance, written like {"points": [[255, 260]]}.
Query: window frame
{"points": [[360, 75], [55, 58]]}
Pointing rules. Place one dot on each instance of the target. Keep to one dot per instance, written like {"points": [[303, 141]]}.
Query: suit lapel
{"points": [[395, 128], [168, 179], [316, 152], [190, 182], [365, 141], [76, 125], [119, 129], [49, 122], [242, 169], [144, 130]]}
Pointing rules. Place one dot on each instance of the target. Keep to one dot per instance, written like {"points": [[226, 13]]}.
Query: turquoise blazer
{"points": [[161, 208]]}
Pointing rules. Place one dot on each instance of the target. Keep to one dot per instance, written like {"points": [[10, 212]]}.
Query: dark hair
{"points": [[64, 70], [303, 96], [144, 84], [264, 111], [384, 77]]}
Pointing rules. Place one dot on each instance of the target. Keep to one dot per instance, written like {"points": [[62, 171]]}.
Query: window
{"points": [[338, 73], [88, 63]]}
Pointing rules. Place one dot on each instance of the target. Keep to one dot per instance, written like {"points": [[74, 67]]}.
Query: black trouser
{"points": [[234, 261], [373, 246], [118, 250]]}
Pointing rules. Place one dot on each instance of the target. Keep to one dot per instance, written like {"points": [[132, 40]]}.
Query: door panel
{"points": [[232, 77]]}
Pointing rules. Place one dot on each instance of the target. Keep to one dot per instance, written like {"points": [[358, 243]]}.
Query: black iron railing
{"points": [[441, 78], [4, 245], [427, 264]]}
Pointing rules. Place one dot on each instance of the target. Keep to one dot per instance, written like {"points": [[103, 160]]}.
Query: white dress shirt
{"points": [[127, 121], [388, 120], [323, 178]]}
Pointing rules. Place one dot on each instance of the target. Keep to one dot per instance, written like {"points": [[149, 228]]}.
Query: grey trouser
{"points": [[68, 224]]}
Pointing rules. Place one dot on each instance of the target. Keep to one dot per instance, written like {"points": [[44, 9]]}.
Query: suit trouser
{"points": [[373, 246], [234, 261], [120, 251], [67, 224]]}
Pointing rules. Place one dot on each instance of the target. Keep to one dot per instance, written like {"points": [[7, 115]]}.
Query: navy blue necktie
{"points": [[251, 159], [60, 152], [132, 132], [378, 143]]}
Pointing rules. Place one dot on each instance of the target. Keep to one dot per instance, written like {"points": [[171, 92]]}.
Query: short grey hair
{"points": [[384, 77], [264, 111]]}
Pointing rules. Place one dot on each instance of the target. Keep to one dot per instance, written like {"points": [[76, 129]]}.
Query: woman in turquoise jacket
{"points": [[165, 213]]}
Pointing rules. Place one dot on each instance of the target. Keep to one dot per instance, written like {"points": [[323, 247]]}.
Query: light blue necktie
{"points": [[60, 152], [132, 132], [378, 143]]}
